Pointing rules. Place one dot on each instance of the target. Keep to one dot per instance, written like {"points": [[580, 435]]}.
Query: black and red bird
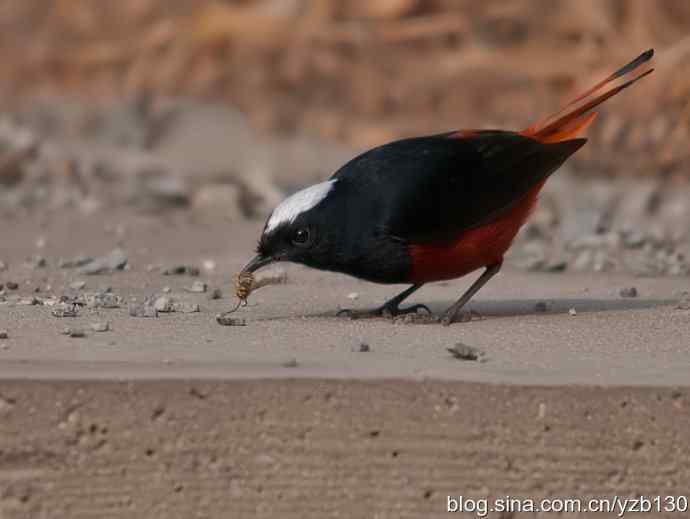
{"points": [[431, 208]]}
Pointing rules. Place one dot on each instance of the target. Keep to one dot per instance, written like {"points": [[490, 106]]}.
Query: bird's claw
{"points": [[388, 311]]}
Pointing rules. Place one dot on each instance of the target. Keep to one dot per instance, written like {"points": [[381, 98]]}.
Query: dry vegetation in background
{"points": [[365, 71]]}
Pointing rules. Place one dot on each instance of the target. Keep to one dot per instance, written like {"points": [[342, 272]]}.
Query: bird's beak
{"points": [[257, 262]]}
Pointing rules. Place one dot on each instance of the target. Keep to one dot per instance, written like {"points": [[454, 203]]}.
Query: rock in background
{"points": [[608, 225], [152, 155], [363, 72]]}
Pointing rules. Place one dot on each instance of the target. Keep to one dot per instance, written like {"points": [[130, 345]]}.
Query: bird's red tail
{"points": [[575, 116]]}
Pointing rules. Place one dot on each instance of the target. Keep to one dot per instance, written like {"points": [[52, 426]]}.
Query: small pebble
{"points": [[167, 290], [4, 334], [106, 300], [11, 285], [65, 310], [145, 309], [209, 265], [362, 347], [179, 270], [74, 332], [77, 262], [30, 301], [540, 306], [198, 287], [115, 260], [164, 304], [77, 285], [37, 262], [632, 239], [226, 320], [216, 293], [533, 264], [556, 266], [186, 308], [3, 266], [290, 363], [684, 302], [464, 352], [466, 317], [628, 292], [353, 295], [572, 311], [101, 326], [418, 318]]}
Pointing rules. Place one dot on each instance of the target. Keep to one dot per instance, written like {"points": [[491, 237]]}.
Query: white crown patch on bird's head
{"points": [[298, 203]]}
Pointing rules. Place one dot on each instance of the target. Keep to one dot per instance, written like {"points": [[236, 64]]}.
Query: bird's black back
{"points": [[433, 188]]}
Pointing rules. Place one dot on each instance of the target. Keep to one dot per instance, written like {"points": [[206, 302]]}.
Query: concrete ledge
{"points": [[328, 448]]}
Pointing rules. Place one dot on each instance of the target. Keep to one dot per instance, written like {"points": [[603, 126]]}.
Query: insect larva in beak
{"points": [[244, 286], [247, 282]]}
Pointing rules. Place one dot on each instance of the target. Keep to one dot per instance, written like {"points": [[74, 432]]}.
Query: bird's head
{"points": [[295, 230]]}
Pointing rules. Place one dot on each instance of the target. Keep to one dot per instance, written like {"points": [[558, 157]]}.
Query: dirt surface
{"points": [[612, 340], [292, 415], [325, 448]]}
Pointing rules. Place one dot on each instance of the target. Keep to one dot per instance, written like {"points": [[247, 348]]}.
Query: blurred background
{"points": [[222, 107]]}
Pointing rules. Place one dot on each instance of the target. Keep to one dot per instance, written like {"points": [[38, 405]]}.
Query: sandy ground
{"points": [[326, 448], [611, 341], [179, 417]]}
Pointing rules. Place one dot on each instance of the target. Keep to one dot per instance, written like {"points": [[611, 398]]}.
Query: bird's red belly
{"points": [[474, 249]]}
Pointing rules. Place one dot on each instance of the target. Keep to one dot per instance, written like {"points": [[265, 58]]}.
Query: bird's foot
{"points": [[465, 316], [386, 310]]}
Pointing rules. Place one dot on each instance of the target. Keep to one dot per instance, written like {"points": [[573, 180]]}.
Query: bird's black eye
{"points": [[301, 237]]}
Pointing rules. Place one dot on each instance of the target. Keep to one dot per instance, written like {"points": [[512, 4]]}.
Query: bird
{"points": [[431, 208]]}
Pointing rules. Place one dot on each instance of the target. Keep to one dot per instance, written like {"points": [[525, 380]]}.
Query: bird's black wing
{"points": [[429, 189]]}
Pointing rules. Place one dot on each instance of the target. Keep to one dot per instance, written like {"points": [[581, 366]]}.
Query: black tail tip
{"points": [[647, 55], [638, 61], [577, 143]]}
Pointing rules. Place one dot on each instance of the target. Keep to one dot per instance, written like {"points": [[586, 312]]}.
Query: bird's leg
{"points": [[389, 308], [451, 315]]}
